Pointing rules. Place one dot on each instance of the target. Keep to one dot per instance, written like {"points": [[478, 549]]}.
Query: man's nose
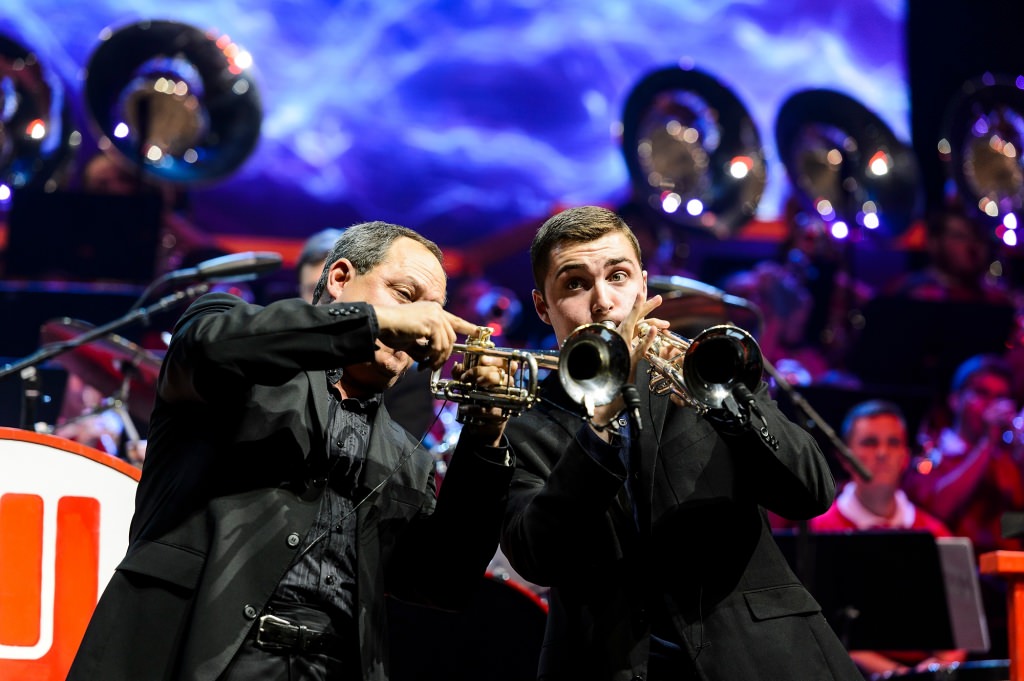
{"points": [[601, 303]]}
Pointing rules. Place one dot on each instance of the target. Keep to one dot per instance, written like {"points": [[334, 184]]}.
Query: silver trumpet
{"points": [[592, 365], [704, 371]]}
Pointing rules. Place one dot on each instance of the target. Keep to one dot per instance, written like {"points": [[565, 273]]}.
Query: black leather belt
{"points": [[276, 633]]}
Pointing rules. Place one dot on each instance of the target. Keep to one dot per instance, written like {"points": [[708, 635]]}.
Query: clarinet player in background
{"points": [[648, 521]]}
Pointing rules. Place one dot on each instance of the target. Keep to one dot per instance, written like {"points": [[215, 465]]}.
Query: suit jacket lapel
{"points": [[321, 401], [387, 448]]}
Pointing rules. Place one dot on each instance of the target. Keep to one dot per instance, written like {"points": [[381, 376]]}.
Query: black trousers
{"points": [[252, 663]]}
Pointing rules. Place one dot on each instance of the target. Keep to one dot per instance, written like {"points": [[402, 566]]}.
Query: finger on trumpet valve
{"points": [[481, 336]]}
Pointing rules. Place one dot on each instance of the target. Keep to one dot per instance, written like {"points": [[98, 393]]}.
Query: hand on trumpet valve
{"points": [[489, 374], [422, 329], [1003, 421]]}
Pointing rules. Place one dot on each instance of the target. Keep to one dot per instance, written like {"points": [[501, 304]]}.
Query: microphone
{"points": [[685, 286], [632, 399], [232, 267]]}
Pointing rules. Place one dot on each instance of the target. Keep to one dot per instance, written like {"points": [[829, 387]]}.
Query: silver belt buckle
{"points": [[286, 630]]}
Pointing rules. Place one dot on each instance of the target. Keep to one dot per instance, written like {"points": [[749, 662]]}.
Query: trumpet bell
{"points": [[717, 360], [179, 102], [593, 365]]}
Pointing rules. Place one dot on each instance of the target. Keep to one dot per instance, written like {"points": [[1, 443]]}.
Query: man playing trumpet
{"points": [[279, 502], [651, 531]]}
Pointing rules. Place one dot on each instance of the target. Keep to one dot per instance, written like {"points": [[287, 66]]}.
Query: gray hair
{"points": [[366, 245]]}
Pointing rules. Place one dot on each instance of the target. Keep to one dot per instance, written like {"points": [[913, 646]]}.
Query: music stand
{"points": [[887, 589]]}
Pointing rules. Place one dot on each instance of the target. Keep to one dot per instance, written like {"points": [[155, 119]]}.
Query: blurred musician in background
{"points": [[785, 305], [961, 254], [179, 235], [876, 433], [311, 260], [972, 469]]}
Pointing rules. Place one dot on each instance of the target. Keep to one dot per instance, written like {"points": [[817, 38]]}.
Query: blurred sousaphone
{"points": [[984, 130], [178, 102], [845, 163], [693, 151], [35, 118]]}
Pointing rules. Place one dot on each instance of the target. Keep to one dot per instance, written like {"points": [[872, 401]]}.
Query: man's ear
{"points": [[338, 276], [541, 307]]}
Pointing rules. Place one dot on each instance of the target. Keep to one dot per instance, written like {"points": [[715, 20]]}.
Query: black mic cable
{"points": [[746, 397]]}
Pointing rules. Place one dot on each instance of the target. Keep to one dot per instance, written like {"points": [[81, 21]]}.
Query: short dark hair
{"points": [[316, 248], [575, 225], [366, 245], [868, 409], [986, 363]]}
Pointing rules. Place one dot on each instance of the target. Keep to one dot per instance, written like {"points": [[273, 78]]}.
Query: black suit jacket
{"points": [[699, 553], [232, 483]]}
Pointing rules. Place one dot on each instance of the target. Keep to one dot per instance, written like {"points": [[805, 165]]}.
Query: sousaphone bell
{"points": [[35, 118], [179, 102]]}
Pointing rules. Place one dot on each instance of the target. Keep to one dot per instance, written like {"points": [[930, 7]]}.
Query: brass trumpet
{"points": [[592, 365], [703, 371]]}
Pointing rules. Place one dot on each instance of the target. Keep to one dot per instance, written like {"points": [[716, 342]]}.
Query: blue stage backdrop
{"points": [[463, 119]]}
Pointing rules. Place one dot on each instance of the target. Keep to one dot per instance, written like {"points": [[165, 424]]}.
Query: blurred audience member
{"points": [[960, 258], [876, 433]]}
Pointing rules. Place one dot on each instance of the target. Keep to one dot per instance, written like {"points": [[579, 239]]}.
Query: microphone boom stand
{"points": [[816, 418], [52, 350]]}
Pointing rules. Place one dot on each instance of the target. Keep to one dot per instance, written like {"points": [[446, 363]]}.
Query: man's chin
{"points": [[373, 377]]}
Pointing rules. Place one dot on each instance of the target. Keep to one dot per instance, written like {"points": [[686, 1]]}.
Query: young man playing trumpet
{"points": [[651, 531]]}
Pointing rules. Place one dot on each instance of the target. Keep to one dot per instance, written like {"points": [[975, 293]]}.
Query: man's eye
{"points": [[574, 284], [618, 276]]}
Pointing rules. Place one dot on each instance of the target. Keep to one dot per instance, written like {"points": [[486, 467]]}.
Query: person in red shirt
{"points": [[876, 433]]}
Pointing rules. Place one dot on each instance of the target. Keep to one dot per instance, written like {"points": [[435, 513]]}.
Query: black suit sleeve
{"points": [[221, 345]]}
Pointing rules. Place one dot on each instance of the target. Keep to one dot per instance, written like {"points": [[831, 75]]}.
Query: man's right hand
{"points": [[424, 330]]}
